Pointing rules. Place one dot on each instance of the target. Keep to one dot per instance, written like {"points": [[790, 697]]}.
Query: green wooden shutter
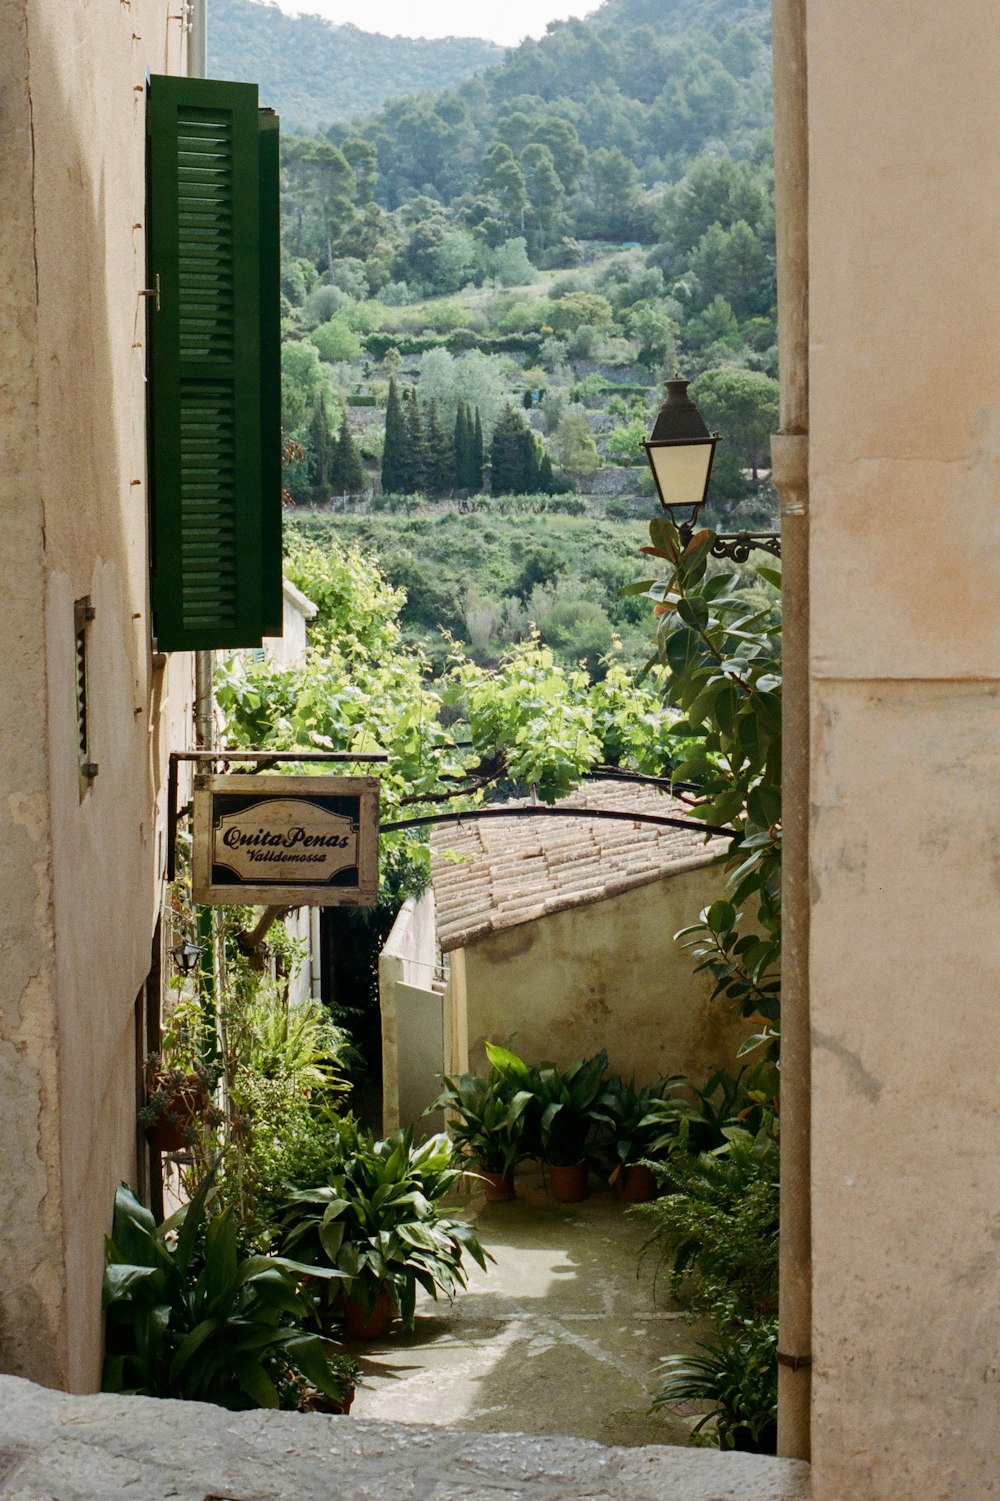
{"points": [[215, 456]]}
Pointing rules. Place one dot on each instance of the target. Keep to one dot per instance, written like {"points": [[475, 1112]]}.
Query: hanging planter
{"points": [[176, 1106]]}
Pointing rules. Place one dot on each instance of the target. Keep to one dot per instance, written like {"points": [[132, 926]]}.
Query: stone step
{"points": [[55, 1447]]}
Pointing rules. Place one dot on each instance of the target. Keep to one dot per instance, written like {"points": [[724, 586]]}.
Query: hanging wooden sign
{"points": [[285, 841]]}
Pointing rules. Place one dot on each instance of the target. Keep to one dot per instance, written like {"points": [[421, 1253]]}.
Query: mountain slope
{"points": [[313, 72]]}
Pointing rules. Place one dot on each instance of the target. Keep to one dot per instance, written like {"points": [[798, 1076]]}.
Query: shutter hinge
{"points": [[153, 291]]}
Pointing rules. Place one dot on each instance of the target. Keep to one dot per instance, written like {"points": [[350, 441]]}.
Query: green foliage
{"points": [[737, 1376], [574, 444], [377, 1225], [394, 447], [188, 1317], [531, 717], [723, 658], [302, 62], [490, 1119], [513, 456], [336, 341], [626, 1131], [743, 405], [565, 1111], [347, 473], [717, 1226]]}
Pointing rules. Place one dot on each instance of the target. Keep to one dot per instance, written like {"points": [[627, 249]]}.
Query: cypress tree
{"points": [[529, 463], [512, 455], [463, 447], [478, 456], [416, 466], [394, 452], [320, 449], [546, 479], [347, 472], [440, 453]]}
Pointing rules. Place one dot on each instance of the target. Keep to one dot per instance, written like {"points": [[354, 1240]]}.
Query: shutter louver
{"points": [[215, 504]]}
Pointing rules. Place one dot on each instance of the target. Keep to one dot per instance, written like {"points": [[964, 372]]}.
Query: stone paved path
{"points": [[561, 1336]]}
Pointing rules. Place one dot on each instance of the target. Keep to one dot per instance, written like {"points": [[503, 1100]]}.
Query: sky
{"points": [[504, 21]]}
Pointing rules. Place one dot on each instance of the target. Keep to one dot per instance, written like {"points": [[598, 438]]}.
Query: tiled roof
{"points": [[506, 871]]}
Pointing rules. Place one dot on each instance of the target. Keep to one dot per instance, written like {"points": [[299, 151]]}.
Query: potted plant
{"points": [[187, 1316], [630, 1132], [376, 1231], [489, 1123], [565, 1101], [179, 1101]]}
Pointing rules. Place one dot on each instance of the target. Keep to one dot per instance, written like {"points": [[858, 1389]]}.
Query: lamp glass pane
{"points": [[681, 471]]}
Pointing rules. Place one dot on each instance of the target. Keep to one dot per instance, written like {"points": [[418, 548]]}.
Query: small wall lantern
{"points": [[680, 451], [186, 956]]}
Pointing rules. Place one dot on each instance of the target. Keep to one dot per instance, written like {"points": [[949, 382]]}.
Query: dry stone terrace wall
{"points": [[59, 1448]]}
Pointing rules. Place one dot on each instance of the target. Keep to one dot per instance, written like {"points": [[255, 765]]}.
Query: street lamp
{"points": [[680, 451]]}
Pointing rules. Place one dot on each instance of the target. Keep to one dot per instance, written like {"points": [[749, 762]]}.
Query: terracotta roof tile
{"points": [[524, 868]]}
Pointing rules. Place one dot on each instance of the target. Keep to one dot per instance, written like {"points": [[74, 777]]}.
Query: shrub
{"points": [[188, 1317]]}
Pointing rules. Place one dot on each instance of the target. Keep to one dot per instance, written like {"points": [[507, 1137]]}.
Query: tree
{"points": [[394, 448], [544, 190], [416, 461], [320, 449], [513, 456], [303, 377], [336, 341], [347, 472], [463, 445], [503, 181], [478, 455], [573, 309], [735, 264], [574, 442], [743, 406], [513, 267], [440, 478]]}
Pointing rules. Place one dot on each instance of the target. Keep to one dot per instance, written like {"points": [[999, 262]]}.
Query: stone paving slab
{"points": [[560, 1336], [55, 1447]]}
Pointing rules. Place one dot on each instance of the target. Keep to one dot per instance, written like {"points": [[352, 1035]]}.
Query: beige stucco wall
{"points": [[80, 877], [608, 975], [904, 291]]}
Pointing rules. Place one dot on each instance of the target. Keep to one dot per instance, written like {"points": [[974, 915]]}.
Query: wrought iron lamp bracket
{"points": [[738, 546]]}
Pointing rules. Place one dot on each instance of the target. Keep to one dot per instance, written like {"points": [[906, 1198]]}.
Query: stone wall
{"points": [[607, 975], [79, 868], [904, 373]]}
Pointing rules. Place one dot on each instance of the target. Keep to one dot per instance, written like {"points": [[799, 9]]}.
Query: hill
{"points": [[313, 72]]}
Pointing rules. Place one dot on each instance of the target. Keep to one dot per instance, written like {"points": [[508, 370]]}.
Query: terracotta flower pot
{"points": [[636, 1184], [568, 1184], [498, 1187], [182, 1111], [359, 1324]]}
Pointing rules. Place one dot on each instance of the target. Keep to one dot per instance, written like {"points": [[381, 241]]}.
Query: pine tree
{"points": [[347, 473], [321, 450], [440, 475], [394, 452], [478, 456]]}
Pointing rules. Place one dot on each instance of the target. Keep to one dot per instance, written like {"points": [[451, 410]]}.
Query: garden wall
{"points": [[608, 975]]}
